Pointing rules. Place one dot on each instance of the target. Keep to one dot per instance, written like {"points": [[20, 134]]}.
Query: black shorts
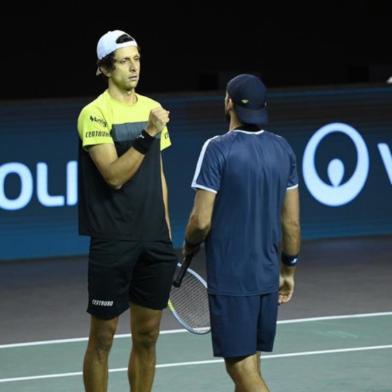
{"points": [[120, 272]]}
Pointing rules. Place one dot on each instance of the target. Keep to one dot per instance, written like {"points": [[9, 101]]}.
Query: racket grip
{"points": [[181, 273]]}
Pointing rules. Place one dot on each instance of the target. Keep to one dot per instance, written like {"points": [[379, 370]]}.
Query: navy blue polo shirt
{"points": [[250, 172]]}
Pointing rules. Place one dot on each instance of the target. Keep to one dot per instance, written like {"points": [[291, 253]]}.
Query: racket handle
{"points": [[181, 273]]}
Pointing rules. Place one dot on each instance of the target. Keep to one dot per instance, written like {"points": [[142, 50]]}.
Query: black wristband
{"points": [[290, 261], [143, 142]]}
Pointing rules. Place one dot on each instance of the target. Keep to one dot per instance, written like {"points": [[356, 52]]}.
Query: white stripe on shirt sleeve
{"points": [[200, 162], [292, 187], [197, 186]]}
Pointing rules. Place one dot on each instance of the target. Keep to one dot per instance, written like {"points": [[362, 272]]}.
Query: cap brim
{"points": [[250, 116]]}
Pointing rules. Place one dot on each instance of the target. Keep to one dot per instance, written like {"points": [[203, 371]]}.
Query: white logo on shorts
{"points": [[99, 302]]}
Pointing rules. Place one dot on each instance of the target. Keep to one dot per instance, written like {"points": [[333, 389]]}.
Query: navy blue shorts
{"points": [[241, 326]]}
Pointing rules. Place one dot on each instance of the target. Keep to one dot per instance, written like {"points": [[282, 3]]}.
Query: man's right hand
{"points": [[157, 120]]}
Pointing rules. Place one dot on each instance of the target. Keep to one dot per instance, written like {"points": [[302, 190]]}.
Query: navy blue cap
{"points": [[248, 94]]}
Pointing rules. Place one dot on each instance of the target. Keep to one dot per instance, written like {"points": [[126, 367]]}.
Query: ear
{"points": [[105, 71], [230, 104]]}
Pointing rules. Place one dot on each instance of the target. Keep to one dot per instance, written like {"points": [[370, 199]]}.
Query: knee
{"points": [[233, 369], [101, 342], [239, 370], [145, 338]]}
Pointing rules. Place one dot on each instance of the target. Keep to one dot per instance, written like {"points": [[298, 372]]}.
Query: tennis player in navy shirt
{"points": [[246, 209]]}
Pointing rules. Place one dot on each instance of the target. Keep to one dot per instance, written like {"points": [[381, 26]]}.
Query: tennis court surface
{"points": [[346, 353], [336, 335]]}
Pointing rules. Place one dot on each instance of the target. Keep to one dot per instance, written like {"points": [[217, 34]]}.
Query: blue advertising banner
{"points": [[342, 138]]}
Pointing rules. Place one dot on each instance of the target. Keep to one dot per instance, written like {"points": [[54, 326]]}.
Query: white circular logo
{"points": [[336, 194]]}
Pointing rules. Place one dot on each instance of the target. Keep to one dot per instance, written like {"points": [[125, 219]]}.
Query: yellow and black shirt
{"points": [[136, 211]]}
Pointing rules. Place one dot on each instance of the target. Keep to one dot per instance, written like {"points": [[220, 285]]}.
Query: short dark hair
{"points": [[108, 61], [249, 127]]}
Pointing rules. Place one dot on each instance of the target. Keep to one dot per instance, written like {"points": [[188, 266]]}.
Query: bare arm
{"points": [[117, 171], [199, 222], [291, 239], [291, 232], [114, 170], [165, 199]]}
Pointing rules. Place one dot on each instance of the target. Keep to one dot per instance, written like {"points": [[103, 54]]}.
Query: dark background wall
{"points": [[39, 207], [48, 48], [189, 51]]}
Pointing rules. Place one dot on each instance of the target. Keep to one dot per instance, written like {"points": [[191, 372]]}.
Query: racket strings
{"points": [[190, 302]]}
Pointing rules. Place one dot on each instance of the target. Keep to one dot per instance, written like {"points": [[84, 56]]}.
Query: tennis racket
{"points": [[188, 300]]}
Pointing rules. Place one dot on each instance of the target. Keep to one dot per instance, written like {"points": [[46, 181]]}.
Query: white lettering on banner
{"points": [[26, 187], [42, 188], [42, 185], [333, 194], [72, 183], [337, 194], [386, 156]]}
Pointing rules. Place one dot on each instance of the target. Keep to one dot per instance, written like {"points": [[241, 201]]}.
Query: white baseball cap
{"points": [[108, 44]]}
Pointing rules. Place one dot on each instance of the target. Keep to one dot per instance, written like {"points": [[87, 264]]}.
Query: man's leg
{"points": [[95, 366], [145, 324], [245, 373], [258, 362]]}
